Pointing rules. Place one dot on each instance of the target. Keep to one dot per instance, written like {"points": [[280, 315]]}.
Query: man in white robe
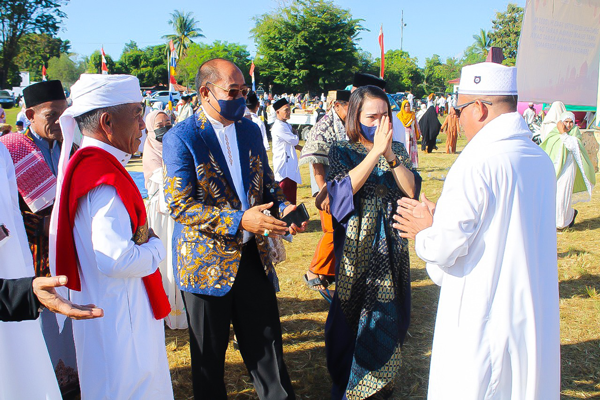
{"points": [[123, 355], [25, 368], [491, 246], [285, 159]]}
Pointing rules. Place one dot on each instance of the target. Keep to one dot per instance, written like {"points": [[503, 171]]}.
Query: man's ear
{"points": [[29, 113], [482, 112], [106, 123], [203, 92]]}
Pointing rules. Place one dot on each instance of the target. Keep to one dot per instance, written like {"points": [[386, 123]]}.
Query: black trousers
{"points": [[251, 305]]}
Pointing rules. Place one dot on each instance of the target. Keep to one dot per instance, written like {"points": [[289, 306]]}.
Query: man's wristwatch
{"points": [[394, 163]]}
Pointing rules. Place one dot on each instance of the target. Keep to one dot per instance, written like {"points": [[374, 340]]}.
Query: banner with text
{"points": [[559, 52]]}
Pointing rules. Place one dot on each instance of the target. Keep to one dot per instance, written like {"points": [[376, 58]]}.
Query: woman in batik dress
{"points": [[370, 311]]}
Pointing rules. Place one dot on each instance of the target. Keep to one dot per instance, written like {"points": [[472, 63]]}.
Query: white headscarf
{"points": [[567, 115], [90, 92], [551, 119]]}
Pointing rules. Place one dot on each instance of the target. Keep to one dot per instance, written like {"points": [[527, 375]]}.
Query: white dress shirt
{"points": [[227, 136], [263, 131], [123, 354], [285, 159]]}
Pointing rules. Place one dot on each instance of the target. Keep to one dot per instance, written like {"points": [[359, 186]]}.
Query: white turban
{"points": [[90, 92]]}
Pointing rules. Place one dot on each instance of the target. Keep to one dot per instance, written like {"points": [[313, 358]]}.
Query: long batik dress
{"points": [[370, 311]]}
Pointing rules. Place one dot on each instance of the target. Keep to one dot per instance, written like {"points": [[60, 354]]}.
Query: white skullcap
{"points": [[488, 79], [90, 92], [567, 115]]}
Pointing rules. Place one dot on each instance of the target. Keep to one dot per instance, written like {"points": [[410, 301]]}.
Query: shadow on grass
{"points": [[314, 225], [294, 305], [306, 367], [581, 369], [584, 286], [589, 224], [571, 252]]}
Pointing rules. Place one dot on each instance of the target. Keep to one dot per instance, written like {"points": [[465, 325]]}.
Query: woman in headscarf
{"points": [[421, 112], [370, 311], [157, 124], [452, 127], [408, 119], [430, 129], [551, 118], [575, 177]]}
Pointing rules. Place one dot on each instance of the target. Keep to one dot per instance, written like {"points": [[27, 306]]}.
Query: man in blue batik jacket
{"points": [[217, 184]]}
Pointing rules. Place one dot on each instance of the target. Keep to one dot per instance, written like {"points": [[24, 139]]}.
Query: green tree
{"points": [[130, 46], [20, 18], [432, 81], [65, 69], [401, 71], [148, 65], [198, 53], [308, 45], [482, 42], [36, 49], [472, 55], [506, 30], [94, 65], [366, 63], [186, 28], [448, 71]]}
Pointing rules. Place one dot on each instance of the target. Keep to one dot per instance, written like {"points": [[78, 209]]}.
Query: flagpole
{"points": [[169, 71]]}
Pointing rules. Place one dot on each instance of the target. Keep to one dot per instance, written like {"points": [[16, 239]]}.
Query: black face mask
{"points": [[160, 132]]}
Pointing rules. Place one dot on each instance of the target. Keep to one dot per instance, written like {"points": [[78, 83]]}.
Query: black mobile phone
{"points": [[298, 216]]}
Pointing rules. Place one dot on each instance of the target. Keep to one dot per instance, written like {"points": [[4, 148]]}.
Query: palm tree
{"points": [[186, 29], [482, 42]]}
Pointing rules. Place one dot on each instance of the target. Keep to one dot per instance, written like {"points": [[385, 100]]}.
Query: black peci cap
{"points": [[280, 103], [361, 79], [42, 92], [342, 95], [251, 100]]}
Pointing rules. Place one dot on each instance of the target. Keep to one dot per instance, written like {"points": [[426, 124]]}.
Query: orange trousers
{"points": [[323, 262]]}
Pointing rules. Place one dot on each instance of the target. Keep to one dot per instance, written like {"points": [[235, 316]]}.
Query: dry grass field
{"points": [[303, 312]]}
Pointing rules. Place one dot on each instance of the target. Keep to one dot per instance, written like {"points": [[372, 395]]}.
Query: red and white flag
{"points": [[252, 75], [43, 72], [104, 67], [382, 52]]}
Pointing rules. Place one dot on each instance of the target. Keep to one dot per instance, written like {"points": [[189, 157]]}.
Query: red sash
{"points": [[88, 168]]}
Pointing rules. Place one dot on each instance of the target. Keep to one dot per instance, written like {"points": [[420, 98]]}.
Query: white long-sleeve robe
{"points": [[492, 248], [25, 368], [123, 354]]}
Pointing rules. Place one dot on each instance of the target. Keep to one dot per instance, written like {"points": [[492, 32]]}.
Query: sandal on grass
{"points": [[326, 295], [315, 282]]}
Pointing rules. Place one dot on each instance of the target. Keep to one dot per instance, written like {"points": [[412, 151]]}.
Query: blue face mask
{"points": [[368, 132], [232, 110]]}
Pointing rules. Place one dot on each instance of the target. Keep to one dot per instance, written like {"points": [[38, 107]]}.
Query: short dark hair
{"points": [[208, 72], [252, 100], [355, 105], [91, 119]]}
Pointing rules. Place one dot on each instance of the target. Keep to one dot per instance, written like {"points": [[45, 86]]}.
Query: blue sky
{"points": [[432, 27]]}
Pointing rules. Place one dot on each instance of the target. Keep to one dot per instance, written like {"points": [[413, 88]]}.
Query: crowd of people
{"points": [[200, 252]]}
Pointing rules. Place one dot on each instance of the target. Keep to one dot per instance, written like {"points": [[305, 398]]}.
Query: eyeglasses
{"points": [[233, 92], [459, 108]]}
